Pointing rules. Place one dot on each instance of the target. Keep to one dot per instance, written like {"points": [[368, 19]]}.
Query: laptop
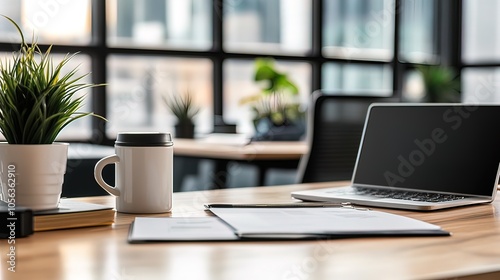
{"points": [[423, 157]]}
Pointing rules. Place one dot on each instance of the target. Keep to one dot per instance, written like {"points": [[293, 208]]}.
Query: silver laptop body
{"points": [[423, 157]]}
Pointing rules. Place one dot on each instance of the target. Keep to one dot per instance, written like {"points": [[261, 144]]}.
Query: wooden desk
{"points": [[263, 155], [473, 252]]}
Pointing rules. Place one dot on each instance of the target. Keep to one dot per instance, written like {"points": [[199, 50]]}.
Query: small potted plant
{"points": [[440, 84], [277, 116], [185, 110], [37, 101]]}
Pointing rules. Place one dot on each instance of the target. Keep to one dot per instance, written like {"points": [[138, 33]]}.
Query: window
{"points": [[481, 31], [481, 51], [168, 24], [144, 49], [364, 79], [267, 26], [419, 32], [137, 84], [480, 85], [53, 22], [359, 29]]}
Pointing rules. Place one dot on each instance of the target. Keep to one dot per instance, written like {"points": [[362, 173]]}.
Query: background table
{"points": [[263, 155], [472, 252], [79, 178]]}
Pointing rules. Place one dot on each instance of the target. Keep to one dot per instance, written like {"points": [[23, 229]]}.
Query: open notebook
{"points": [[423, 157], [268, 223]]}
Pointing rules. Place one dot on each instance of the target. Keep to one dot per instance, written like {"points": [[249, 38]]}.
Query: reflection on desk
{"points": [[472, 252]]}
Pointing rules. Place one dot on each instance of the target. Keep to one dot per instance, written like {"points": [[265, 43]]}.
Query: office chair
{"points": [[334, 129]]}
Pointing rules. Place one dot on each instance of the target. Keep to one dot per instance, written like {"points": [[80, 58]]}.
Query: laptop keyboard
{"points": [[408, 195]]}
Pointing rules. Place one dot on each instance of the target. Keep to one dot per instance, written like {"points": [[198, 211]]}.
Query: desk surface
{"points": [[103, 252], [276, 150]]}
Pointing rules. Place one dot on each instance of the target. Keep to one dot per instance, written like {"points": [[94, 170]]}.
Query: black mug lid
{"points": [[148, 139]]}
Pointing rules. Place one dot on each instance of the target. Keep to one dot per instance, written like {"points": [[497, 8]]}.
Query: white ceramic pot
{"points": [[32, 175]]}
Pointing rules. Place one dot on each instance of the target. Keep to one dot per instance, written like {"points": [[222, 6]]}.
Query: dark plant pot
{"points": [[184, 131], [265, 130]]}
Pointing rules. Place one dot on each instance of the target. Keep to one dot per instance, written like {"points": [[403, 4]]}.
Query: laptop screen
{"points": [[444, 148]]}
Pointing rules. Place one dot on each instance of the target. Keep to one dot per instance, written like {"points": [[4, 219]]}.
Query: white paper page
{"points": [[180, 228], [316, 220]]}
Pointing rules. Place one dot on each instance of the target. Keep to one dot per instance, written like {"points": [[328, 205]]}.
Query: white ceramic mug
{"points": [[143, 172]]}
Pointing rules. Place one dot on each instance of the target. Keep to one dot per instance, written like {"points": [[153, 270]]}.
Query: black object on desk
{"points": [[79, 178], [15, 222]]}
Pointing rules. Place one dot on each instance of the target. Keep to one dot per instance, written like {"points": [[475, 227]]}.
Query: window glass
{"points": [[481, 85], [270, 26], [357, 79], [239, 83], [79, 129], [136, 85], [481, 30], [358, 29], [52, 22], [418, 31], [173, 24]]}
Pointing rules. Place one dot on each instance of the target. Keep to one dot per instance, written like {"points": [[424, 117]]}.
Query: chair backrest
{"points": [[335, 126]]}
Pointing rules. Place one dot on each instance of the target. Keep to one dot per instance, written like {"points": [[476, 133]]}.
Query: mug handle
{"points": [[98, 174]]}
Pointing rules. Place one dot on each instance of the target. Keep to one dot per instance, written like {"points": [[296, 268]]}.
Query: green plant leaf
{"points": [[275, 99], [182, 106], [37, 101], [440, 83]]}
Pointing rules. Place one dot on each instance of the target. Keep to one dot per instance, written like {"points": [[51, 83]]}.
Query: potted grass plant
{"points": [[37, 101], [185, 110]]}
